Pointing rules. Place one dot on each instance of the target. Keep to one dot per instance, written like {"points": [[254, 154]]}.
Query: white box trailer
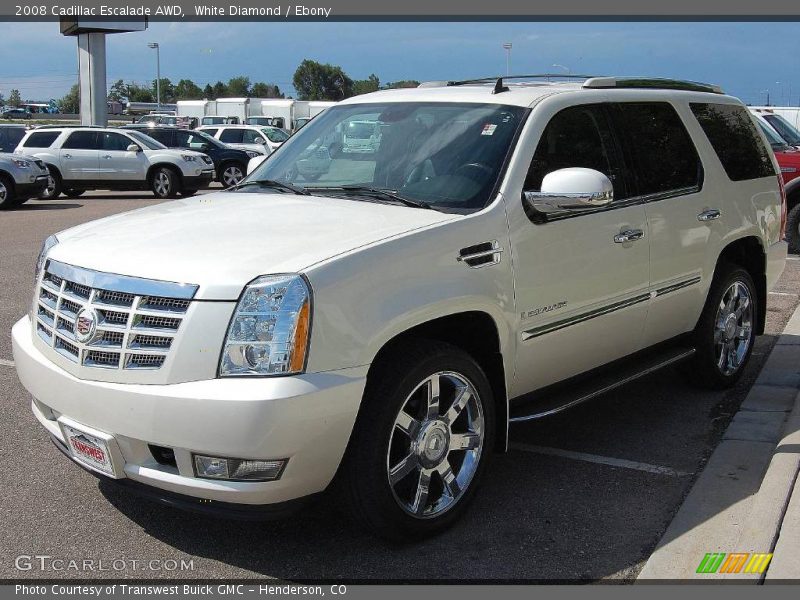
{"points": [[278, 112], [233, 107], [317, 106], [196, 108]]}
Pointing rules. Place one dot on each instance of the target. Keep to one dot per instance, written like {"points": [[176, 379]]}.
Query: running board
{"points": [[559, 397]]}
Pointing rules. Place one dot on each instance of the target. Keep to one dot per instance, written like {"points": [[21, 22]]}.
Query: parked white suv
{"points": [[249, 137], [93, 158], [385, 321]]}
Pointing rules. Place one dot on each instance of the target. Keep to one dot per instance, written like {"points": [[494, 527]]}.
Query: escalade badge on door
{"points": [[527, 314], [85, 325]]}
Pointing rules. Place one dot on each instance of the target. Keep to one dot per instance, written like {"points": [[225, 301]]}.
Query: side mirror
{"points": [[254, 163], [260, 140], [204, 147], [574, 188], [134, 148]]}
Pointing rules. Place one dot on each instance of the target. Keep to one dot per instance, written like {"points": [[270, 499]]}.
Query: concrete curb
{"points": [[742, 501]]}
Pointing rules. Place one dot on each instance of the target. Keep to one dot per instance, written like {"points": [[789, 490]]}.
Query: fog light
{"points": [[198, 171], [237, 469]]}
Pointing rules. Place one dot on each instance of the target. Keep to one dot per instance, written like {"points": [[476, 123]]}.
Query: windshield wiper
{"points": [[274, 184], [386, 195]]}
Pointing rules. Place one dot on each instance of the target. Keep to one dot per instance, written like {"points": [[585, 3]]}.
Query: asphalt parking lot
{"points": [[583, 495]]}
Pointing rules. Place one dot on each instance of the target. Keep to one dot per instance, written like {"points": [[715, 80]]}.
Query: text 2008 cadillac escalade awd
{"points": [[380, 319]]}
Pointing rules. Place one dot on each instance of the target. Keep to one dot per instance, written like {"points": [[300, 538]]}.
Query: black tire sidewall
{"points": [[12, 199], [57, 185], [793, 229], [226, 166], [371, 498], [705, 370]]}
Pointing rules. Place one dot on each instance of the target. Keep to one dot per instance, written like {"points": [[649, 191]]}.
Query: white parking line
{"points": [[6, 363], [602, 460], [782, 294]]}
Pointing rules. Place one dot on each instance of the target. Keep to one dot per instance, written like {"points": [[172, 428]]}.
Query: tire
{"points": [[187, 193], [793, 229], [725, 333], [231, 174], [54, 185], [394, 439], [73, 193], [164, 183], [8, 199]]}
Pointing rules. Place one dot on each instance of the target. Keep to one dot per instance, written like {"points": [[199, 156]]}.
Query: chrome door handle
{"points": [[629, 235], [68, 156], [107, 156], [709, 215]]}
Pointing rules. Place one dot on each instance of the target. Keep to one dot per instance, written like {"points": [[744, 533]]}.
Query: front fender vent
{"points": [[481, 255]]}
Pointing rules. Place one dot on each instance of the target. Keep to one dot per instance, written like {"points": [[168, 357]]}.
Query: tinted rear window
{"points": [[663, 155], [735, 139], [41, 139], [10, 137], [82, 140]]}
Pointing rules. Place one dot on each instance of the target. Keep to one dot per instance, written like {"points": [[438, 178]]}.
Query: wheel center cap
{"points": [[730, 326], [433, 443]]}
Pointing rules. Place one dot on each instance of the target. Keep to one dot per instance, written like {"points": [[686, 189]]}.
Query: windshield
{"points": [[146, 141], [275, 135], [446, 155], [784, 129]]}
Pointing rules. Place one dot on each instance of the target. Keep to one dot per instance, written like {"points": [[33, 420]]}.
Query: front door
{"points": [[581, 292], [117, 163]]}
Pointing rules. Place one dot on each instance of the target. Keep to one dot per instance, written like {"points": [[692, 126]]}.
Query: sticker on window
{"points": [[489, 129]]}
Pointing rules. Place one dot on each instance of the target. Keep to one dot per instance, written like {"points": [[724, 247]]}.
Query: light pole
{"points": [[158, 72], [507, 47], [767, 93]]}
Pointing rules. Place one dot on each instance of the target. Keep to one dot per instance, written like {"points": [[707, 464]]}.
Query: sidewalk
{"points": [[747, 499]]}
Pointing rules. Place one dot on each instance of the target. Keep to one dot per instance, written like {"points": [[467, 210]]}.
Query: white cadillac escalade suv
{"points": [[381, 323]]}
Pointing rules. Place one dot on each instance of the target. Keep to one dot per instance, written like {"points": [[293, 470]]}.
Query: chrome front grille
{"points": [[127, 323]]}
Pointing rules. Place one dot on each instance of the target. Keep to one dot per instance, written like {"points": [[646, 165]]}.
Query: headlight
{"points": [[188, 157], [22, 164], [268, 334], [48, 243], [253, 153]]}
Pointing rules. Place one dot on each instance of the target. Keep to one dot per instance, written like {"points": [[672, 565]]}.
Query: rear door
{"points": [[117, 163], [666, 175], [79, 156]]}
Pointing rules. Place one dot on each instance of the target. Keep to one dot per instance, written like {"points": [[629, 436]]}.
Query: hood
{"points": [[224, 240]]}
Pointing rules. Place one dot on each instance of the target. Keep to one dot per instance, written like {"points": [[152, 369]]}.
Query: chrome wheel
{"points": [[733, 328], [162, 184], [435, 445], [3, 192], [231, 176]]}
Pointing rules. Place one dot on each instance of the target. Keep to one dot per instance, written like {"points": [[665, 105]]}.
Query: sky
{"points": [[746, 59]]}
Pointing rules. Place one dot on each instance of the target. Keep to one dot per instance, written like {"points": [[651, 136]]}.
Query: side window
{"points": [[733, 135], [162, 135], [660, 150], [232, 136], [575, 137], [14, 135], [81, 140], [114, 141], [41, 139], [212, 132]]}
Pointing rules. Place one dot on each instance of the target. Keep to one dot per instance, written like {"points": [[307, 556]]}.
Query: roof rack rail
{"points": [[652, 83], [495, 79]]}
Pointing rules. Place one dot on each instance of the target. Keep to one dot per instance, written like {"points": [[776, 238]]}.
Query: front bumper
{"points": [[203, 180], [31, 189], [306, 419]]}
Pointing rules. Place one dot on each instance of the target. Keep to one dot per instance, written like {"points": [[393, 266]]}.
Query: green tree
{"points": [[403, 83], [14, 98], [316, 81], [118, 91], [2, 99], [265, 90], [208, 92], [365, 86], [137, 93], [186, 89], [71, 103], [239, 87], [220, 90], [167, 90]]}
